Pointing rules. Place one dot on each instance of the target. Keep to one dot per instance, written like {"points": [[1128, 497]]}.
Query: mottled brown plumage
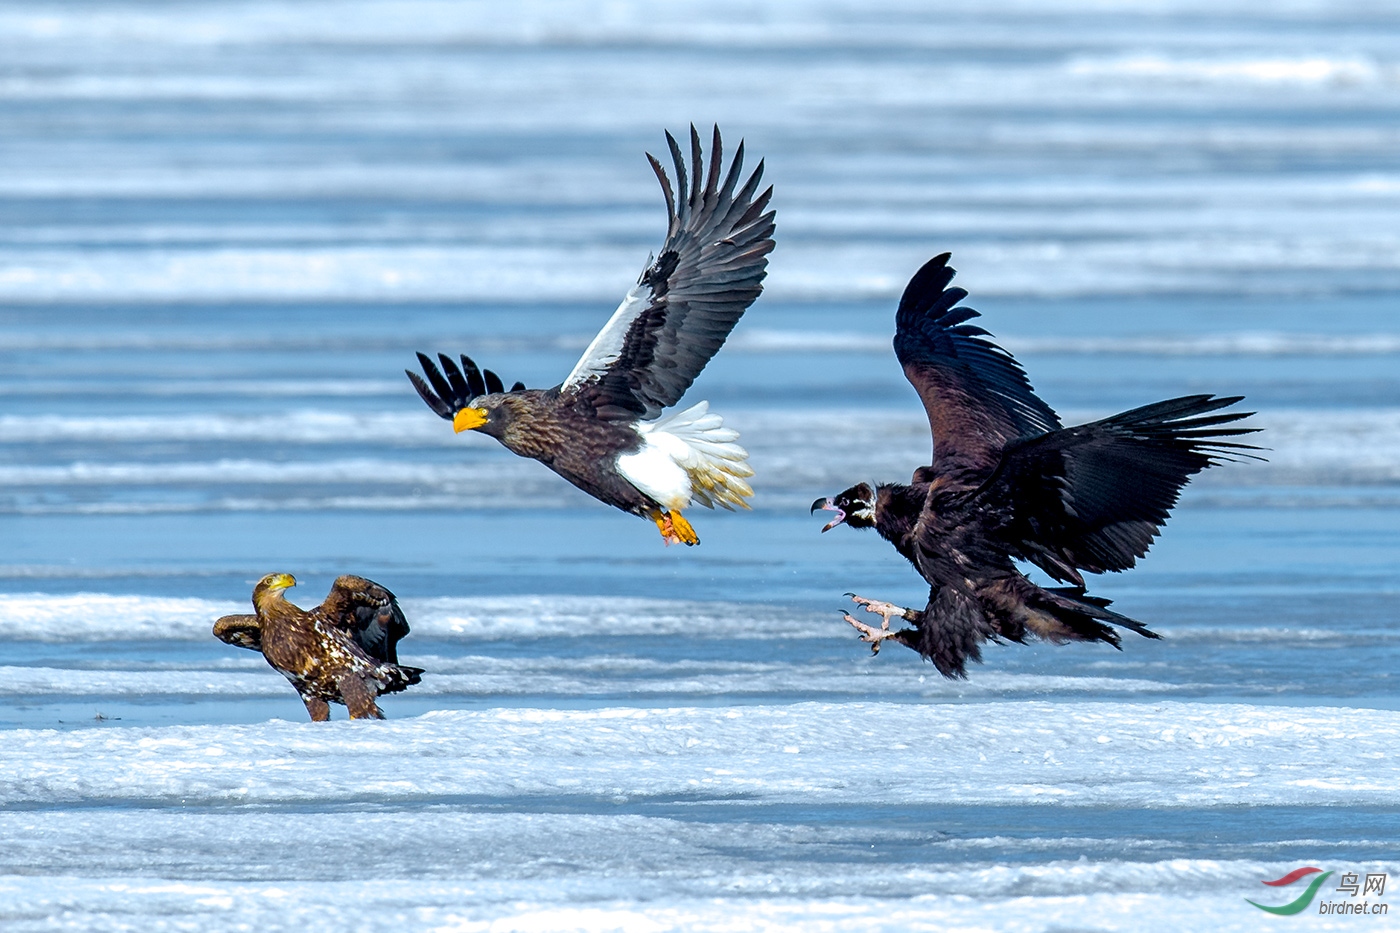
{"points": [[603, 428], [343, 651], [1007, 482]]}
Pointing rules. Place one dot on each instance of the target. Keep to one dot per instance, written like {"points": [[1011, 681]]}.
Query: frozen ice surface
{"points": [[448, 907], [680, 818], [819, 754]]}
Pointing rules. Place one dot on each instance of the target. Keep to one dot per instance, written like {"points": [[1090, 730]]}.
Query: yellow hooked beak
{"points": [[283, 580], [468, 419]]}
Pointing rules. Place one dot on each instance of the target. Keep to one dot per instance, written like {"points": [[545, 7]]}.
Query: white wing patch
{"points": [[689, 456], [607, 346]]}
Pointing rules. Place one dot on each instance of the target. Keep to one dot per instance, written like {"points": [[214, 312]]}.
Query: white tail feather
{"points": [[696, 441]]}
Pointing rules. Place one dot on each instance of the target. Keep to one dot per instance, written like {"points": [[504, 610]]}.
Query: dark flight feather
{"points": [[476, 385], [369, 613], [448, 394], [241, 631], [707, 273], [976, 395], [465, 382], [709, 270], [1094, 497]]}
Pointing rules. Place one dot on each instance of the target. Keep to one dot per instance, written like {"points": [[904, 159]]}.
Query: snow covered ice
{"points": [[226, 228], [690, 817]]}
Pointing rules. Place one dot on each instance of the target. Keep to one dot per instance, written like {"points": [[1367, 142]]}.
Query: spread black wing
{"points": [[369, 613], [242, 630], [1094, 497], [709, 270], [975, 393], [449, 390]]}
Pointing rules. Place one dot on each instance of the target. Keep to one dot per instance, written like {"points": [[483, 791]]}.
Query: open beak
{"points": [[825, 505], [468, 419]]}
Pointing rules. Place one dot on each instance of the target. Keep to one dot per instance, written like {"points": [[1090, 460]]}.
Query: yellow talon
{"points": [[674, 528], [683, 532]]}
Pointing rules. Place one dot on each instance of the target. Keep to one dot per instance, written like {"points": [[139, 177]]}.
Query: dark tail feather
{"points": [[1082, 613], [398, 677], [950, 632]]}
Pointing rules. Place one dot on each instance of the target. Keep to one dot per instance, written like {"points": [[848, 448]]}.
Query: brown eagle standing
{"points": [[1008, 482], [343, 651], [602, 428]]}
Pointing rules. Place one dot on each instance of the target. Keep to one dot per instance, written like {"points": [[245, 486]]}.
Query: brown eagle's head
{"points": [[273, 584]]}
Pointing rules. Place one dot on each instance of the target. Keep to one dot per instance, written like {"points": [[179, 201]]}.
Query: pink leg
{"points": [[868, 633]]}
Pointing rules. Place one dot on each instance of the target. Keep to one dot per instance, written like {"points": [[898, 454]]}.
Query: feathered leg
{"points": [[319, 710], [948, 632], [359, 698]]}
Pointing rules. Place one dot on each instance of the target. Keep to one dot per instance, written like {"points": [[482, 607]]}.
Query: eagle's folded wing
{"points": [[242, 630]]}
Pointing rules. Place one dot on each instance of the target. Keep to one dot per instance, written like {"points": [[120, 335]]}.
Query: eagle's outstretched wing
{"points": [[975, 393], [709, 270], [369, 613], [1094, 497], [242, 631]]}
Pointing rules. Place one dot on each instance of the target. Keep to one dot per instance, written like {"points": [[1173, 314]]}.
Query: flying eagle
{"points": [[1008, 482], [343, 651], [603, 427]]}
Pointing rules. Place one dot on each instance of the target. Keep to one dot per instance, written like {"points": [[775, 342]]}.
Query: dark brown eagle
{"points": [[343, 651], [602, 428], [1008, 482]]}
